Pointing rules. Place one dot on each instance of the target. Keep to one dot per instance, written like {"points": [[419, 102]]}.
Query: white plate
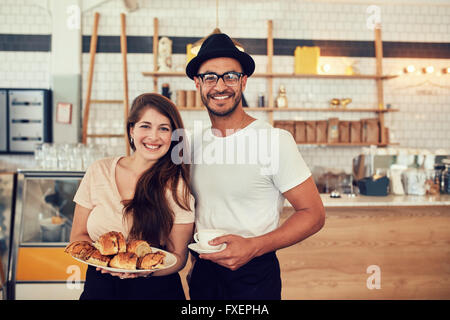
{"points": [[196, 247], [169, 261]]}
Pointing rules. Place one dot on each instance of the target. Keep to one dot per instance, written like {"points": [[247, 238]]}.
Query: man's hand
{"points": [[238, 252], [308, 218]]}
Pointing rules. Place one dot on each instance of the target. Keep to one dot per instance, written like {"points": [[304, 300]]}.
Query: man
{"points": [[244, 194]]}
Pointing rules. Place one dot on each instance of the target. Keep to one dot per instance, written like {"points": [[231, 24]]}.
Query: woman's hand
{"points": [[125, 275]]}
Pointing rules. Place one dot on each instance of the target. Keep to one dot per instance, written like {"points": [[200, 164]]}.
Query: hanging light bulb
{"points": [[429, 69], [409, 69], [326, 68], [197, 45], [446, 70]]}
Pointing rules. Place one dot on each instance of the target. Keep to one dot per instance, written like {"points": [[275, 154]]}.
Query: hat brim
{"points": [[246, 61]]}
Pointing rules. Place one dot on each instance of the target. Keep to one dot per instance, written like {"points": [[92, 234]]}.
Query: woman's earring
{"points": [[132, 140]]}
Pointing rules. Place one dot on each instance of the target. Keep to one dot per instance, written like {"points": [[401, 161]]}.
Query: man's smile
{"points": [[221, 96]]}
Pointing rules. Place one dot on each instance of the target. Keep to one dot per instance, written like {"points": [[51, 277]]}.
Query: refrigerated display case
{"points": [[7, 190], [39, 267]]}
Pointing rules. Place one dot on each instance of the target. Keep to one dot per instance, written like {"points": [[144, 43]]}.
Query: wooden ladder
{"points": [[89, 101]]}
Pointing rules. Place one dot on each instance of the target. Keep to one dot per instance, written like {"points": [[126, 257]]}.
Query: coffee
{"points": [[344, 131], [333, 130], [321, 131], [300, 131], [355, 131], [190, 98], [287, 125], [310, 131]]}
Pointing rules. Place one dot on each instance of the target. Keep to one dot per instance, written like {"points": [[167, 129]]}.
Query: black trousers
{"points": [[103, 286], [259, 279]]}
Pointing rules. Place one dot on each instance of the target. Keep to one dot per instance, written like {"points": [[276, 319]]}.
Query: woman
{"points": [[145, 196]]}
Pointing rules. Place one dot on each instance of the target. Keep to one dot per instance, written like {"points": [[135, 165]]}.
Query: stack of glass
{"points": [[67, 156]]}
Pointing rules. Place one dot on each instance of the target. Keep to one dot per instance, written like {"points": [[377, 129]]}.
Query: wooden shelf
{"points": [[281, 75], [266, 109], [323, 109], [106, 101], [345, 144], [164, 74], [323, 76]]}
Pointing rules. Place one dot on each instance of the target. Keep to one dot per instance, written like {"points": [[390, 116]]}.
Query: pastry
{"points": [[111, 243], [70, 246], [124, 260], [139, 247], [80, 249], [121, 242], [98, 259], [151, 260]]}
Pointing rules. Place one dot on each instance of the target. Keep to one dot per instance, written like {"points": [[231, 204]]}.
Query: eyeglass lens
{"points": [[229, 78]]}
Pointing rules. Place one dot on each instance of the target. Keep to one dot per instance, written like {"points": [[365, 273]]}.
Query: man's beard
{"points": [[226, 112]]}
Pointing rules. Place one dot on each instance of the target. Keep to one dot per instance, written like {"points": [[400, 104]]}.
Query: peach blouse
{"points": [[98, 191]]}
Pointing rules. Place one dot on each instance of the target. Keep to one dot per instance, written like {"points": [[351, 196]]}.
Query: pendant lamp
{"points": [[196, 46]]}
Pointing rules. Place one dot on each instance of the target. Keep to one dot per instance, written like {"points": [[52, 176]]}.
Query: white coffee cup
{"points": [[202, 237]]}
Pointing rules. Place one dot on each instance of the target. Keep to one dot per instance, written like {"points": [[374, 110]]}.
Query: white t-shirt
{"points": [[238, 180]]}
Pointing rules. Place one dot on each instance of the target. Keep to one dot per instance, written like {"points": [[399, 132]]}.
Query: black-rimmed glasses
{"points": [[230, 78]]}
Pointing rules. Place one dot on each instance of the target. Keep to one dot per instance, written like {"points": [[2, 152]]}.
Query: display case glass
{"points": [[42, 226], [7, 187]]}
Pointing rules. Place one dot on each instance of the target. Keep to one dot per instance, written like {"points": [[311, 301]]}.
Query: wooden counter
{"points": [[410, 245], [386, 201]]}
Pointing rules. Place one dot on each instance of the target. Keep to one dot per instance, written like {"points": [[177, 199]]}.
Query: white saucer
{"points": [[196, 247]]}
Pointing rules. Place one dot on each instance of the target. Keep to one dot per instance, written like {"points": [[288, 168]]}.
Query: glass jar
{"points": [[414, 182], [445, 177], [438, 169]]}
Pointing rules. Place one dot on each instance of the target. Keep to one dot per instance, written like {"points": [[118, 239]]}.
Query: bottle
{"points": [[445, 186], [281, 101], [438, 169], [166, 90], [261, 100]]}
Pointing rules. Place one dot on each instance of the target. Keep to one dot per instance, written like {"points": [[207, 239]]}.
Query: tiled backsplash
{"points": [[423, 100]]}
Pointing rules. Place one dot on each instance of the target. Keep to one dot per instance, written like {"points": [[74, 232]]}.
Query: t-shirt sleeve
{"points": [[83, 196], [292, 169], [181, 215]]}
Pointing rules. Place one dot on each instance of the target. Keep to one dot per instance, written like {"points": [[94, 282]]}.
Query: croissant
{"points": [[111, 243], [80, 249], [98, 259], [151, 260], [112, 250], [124, 260], [70, 246], [139, 247]]}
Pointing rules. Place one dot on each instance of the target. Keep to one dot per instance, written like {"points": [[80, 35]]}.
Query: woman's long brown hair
{"points": [[152, 216]]}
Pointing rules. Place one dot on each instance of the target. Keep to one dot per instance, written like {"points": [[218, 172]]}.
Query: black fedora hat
{"points": [[216, 46]]}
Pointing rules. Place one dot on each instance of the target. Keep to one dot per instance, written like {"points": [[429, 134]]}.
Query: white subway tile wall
{"points": [[423, 120]]}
